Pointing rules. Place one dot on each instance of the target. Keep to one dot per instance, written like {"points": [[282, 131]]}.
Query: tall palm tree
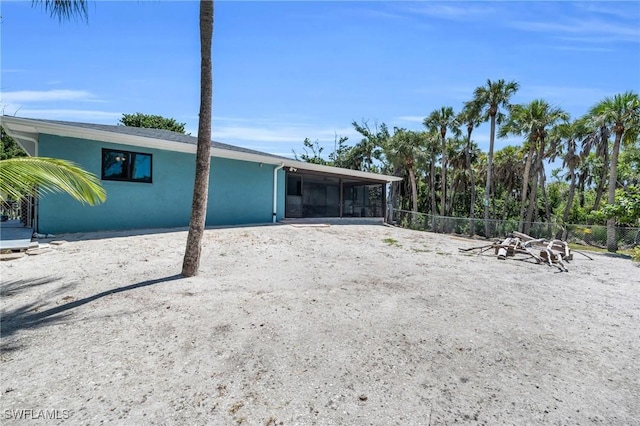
{"points": [[470, 117], [549, 118], [65, 9], [441, 120], [488, 100], [522, 122], [459, 176], [621, 113], [568, 134], [406, 148], [533, 121], [191, 260], [431, 144], [596, 146], [31, 176]]}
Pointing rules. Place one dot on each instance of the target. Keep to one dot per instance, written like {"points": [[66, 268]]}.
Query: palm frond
{"points": [[64, 9], [20, 177]]}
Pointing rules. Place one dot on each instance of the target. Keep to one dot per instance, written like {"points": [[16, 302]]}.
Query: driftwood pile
{"points": [[553, 253]]}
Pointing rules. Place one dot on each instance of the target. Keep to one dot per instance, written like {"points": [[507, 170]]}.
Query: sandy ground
{"points": [[351, 324]]}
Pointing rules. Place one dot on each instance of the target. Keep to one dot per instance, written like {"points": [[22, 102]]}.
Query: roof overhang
{"points": [[26, 132]]}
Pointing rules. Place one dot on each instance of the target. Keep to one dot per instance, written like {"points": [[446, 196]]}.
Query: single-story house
{"points": [[148, 175]]}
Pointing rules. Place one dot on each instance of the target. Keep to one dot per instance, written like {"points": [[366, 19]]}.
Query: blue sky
{"points": [[284, 71]]}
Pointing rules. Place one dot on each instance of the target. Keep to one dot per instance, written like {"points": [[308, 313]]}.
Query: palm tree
{"points": [[532, 120], [570, 133], [488, 100], [191, 260], [431, 145], [597, 140], [31, 176], [549, 118], [470, 116], [405, 148], [457, 148], [622, 114], [441, 120]]}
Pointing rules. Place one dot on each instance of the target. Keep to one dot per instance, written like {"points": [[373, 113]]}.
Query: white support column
{"points": [[275, 191]]}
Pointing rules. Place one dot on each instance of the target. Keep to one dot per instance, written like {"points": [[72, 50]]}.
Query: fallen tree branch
{"points": [[553, 253]]}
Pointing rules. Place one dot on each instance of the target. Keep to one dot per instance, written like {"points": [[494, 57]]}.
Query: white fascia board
{"points": [[246, 156]]}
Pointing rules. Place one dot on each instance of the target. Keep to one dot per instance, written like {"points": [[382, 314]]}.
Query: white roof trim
{"points": [[26, 130]]}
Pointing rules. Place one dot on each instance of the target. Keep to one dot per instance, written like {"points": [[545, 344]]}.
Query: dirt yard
{"points": [[337, 325]]}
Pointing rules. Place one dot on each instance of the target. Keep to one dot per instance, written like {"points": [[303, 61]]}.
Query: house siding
{"points": [[240, 192]]}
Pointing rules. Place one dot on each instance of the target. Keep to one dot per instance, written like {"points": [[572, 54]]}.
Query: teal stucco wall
{"points": [[240, 192]]}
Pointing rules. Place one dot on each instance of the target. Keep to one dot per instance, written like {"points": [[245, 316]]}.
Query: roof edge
{"points": [[28, 130]]}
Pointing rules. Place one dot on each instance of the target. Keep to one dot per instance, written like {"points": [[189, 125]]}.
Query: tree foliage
{"points": [[626, 208], [151, 122], [8, 147], [621, 114], [312, 153]]}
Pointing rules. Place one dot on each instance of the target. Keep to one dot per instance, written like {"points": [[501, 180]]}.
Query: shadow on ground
{"points": [[30, 316]]}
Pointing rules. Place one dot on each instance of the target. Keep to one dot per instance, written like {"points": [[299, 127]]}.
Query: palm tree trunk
{"points": [[525, 184], [600, 188], [191, 260], [414, 189], [432, 184], [487, 187], [547, 207], [572, 193], [533, 197], [472, 207], [581, 184], [603, 175], [443, 201], [612, 242]]}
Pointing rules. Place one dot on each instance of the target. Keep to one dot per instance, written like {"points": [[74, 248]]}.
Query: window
{"points": [[125, 165]]}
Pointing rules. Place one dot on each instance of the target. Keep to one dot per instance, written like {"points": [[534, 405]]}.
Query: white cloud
{"points": [[580, 48], [412, 118], [452, 11], [583, 29], [618, 11], [25, 96], [258, 133], [276, 135], [564, 95]]}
